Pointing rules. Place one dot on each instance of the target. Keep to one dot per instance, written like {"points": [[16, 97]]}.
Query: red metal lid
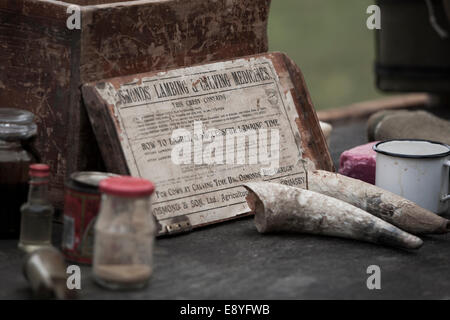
{"points": [[39, 170], [125, 186]]}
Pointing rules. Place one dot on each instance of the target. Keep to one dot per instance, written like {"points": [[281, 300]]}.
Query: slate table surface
{"points": [[233, 261]]}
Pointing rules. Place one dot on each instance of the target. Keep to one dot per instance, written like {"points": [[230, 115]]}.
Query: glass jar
{"points": [[124, 234], [16, 126]]}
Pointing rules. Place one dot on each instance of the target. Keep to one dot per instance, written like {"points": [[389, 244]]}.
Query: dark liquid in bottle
{"points": [[13, 193]]}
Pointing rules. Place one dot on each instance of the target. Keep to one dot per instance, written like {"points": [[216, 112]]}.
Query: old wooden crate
{"points": [[43, 63]]}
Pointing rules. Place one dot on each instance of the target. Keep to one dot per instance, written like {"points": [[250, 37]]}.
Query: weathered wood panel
{"points": [[35, 74], [155, 35]]}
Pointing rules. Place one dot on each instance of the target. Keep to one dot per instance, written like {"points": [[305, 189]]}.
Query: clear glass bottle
{"points": [[16, 126], [37, 212], [124, 234]]}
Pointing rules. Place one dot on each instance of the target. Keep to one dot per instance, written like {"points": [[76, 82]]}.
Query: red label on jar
{"points": [[80, 212]]}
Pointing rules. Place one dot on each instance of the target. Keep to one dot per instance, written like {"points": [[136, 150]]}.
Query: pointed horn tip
{"points": [[415, 243], [419, 243]]}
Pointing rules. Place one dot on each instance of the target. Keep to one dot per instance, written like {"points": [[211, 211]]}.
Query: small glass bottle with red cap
{"points": [[37, 212], [124, 234]]}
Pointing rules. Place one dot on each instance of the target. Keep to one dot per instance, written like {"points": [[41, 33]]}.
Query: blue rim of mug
{"points": [[400, 155]]}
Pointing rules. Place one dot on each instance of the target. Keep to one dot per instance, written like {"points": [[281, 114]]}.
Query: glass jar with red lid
{"points": [[124, 234]]}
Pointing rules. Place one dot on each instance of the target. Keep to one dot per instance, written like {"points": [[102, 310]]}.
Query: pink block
{"points": [[359, 163]]}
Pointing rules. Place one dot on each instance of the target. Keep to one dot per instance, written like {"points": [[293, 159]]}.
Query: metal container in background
{"points": [[413, 46], [81, 206]]}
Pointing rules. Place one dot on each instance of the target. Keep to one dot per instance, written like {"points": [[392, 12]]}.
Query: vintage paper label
{"points": [[199, 133]]}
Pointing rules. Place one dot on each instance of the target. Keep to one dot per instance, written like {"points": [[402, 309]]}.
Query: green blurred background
{"points": [[330, 42]]}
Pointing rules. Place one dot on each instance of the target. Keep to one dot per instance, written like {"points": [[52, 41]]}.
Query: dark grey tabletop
{"points": [[233, 261]]}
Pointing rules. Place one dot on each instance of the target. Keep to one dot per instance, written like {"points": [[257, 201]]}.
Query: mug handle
{"points": [[447, 197]]}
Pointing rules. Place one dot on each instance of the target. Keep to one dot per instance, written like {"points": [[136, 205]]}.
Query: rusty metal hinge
{"points": [[177, 225]]}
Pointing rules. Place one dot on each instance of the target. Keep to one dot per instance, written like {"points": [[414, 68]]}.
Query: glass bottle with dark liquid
{"points": [[37, 212], [16, 126]]}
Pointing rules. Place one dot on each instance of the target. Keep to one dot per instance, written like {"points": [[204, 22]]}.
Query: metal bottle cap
{"points": [[16, 124]]}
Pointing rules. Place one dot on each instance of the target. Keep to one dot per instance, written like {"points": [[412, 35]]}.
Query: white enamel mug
{"points": [[417, 170]]}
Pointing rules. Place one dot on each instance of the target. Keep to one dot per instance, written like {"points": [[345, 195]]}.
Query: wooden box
{"points": [[43, 63]]}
